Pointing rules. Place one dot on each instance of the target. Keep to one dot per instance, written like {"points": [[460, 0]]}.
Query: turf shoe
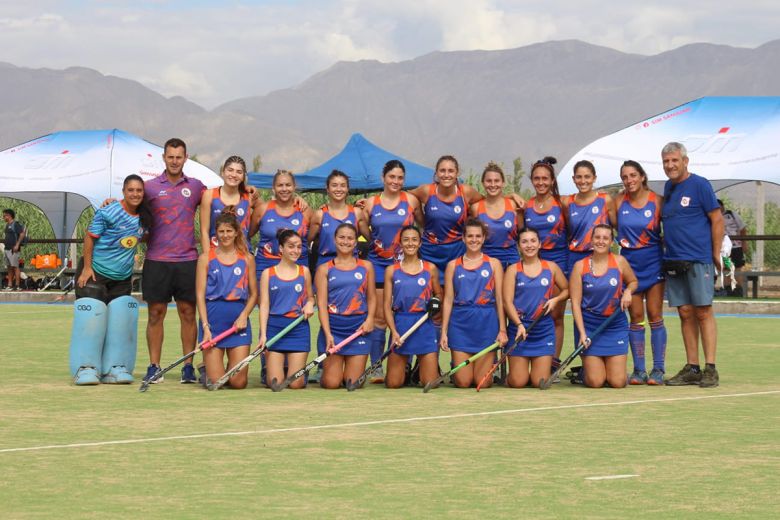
{"points": [[117, 375], [686, 376], [151, 370], [377, 377], [188, 374], [656, 377], [638, 377], [202, 376], [86, 376], [709, 378]]}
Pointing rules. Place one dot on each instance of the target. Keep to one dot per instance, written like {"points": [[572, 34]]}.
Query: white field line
{"points": [[379, 422], [611, 477]]}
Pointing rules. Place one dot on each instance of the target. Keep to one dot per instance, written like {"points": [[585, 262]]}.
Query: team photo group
{"points": [[485, 278]]}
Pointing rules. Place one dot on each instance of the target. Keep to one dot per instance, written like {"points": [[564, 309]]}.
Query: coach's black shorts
{"points": [[165, 280], [737, 257]]}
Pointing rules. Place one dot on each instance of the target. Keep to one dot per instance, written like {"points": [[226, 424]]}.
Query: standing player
{"points": [[600, 285], [501, 215], [639, 236], [346, 299], [286, 294], [411, 284], [532, 288], [326, 219], [473, 310], [232, 193], [104, 338]]}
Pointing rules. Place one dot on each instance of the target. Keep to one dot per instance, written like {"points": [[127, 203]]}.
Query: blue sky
{"points": [[213, 52]]}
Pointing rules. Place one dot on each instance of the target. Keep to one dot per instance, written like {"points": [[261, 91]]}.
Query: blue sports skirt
{"points": [[646, 264], [612, 341], [341, 327], [422, 341], [574, 257], [540, 342], [222, 314], [559, 256], [441, 254], [506, 255], [297, 340], [379, 265], [472, 327]]}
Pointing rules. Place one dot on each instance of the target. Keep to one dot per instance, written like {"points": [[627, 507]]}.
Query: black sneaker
{"points": [[686, 376], [709, 378]]}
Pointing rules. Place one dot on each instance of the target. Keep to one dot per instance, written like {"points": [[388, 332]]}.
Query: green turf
{"points": [[714, 457]]}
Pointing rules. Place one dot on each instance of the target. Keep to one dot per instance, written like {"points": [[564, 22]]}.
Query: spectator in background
{"points": [[14, 234], [734, 226]]}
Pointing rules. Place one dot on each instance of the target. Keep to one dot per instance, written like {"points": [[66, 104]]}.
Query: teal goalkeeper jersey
{"points": [[116, 233]]}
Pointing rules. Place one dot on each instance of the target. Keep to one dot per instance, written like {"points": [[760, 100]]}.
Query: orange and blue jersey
{"points": [[531, 293], [550, 225], [601, 294], [227, 282], [582, 219], [267, 253], [386, 225], [444, 221], [348, 289], [286, 297], [242, 214], [327, 235], [501, 241], [474, 286], [411, 292], [638, 228]]}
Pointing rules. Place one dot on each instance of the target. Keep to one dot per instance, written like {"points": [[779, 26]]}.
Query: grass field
{"points": [[178, 451]]}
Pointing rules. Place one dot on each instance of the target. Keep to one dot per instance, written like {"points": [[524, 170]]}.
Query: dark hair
{"points": [[585, 164], [638, 167], [529, 230], [11, 212], [475, 222], [279, 173], [228, 216], [720, 202], [334, 174], [144, 211], [392, 164], [345, 225], [493, 167], [410, 227], [441, 160], [175, 142], [604, 226], [284, 234], [238, 160]]}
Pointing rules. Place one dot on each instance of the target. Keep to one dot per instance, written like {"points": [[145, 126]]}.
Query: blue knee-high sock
{"points": [[658, 343], [377, 338], [636, 338]]}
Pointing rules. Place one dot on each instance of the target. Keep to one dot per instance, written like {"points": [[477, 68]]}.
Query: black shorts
{"points": [[110, 289], [165, 280], [737, 257]]}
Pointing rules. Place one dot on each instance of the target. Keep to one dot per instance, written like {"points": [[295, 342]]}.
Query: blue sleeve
{"points": [[708, 199], [98, 225]]}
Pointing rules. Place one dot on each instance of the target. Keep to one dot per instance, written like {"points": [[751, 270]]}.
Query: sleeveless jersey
{"points": [[583, 218], [347, 289], [226, 281], [601, 294], [502, 232], [272, 221], [386, 227], [444, 221], [411, 292], [242, 214], [328, 227], [639, 227], [550, 225], [286, 297], [474, 286], [531, 293]]}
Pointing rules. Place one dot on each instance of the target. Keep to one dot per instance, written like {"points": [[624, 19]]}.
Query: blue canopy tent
{"points": [[362, 160]]}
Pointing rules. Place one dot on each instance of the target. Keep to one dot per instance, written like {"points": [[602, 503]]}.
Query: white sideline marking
{"points": [[611, 477], [378, 422]]}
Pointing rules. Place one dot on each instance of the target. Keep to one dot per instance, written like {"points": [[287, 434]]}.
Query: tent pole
{"points": [[758, 257], [64, 231]]}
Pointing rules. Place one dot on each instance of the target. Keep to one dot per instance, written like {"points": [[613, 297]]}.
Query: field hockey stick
{"points": [[315, 362], [508, 350], [68, 287], [201, 347], [254, 355], [433, 307], [545, 384], [56, 276], [436, 382]]}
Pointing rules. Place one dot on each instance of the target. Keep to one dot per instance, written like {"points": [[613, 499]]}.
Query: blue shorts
{"points": [[441, 254], [612, 341], [559, 256], [472, 327], [540, 342], [297, 340], [506, 255], [696, 287], [422, 341], [341, 327], [574, 257], [222, 314], [646, 264], [379, 266]]}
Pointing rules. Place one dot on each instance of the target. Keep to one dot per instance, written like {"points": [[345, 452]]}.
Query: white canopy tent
{"points": [[64, 172]]}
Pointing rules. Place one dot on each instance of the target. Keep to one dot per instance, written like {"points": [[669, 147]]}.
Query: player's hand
{"points": [[107, 202], [262, 340], [521, 332], [206, 339], [308, 310], [301, 203], [361, 203], [368, 326], [444, 343], [520, 201], [625, 300], [395, 339], [240, 322], [501, 338], [86, 274], [329, 343]]}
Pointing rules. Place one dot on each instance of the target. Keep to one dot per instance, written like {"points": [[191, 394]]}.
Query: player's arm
{"points": [[205, 220], [498, 273], [200, 294], [388, 305]]}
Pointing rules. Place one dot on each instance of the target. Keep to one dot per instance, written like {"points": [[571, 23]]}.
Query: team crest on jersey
{"points": [[186, 192], [594, 210], [237, 271], [298, 287], [685, 202], [624, 243], [295, 222], [268, 248], [457, 210], [648, 213], [485, 273], [613, 282], [128, 242], [551, 218], [240, 212], [421, 282], [545, 282], [332, 308], [507, 224], [359, 276], [401, 212]]}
